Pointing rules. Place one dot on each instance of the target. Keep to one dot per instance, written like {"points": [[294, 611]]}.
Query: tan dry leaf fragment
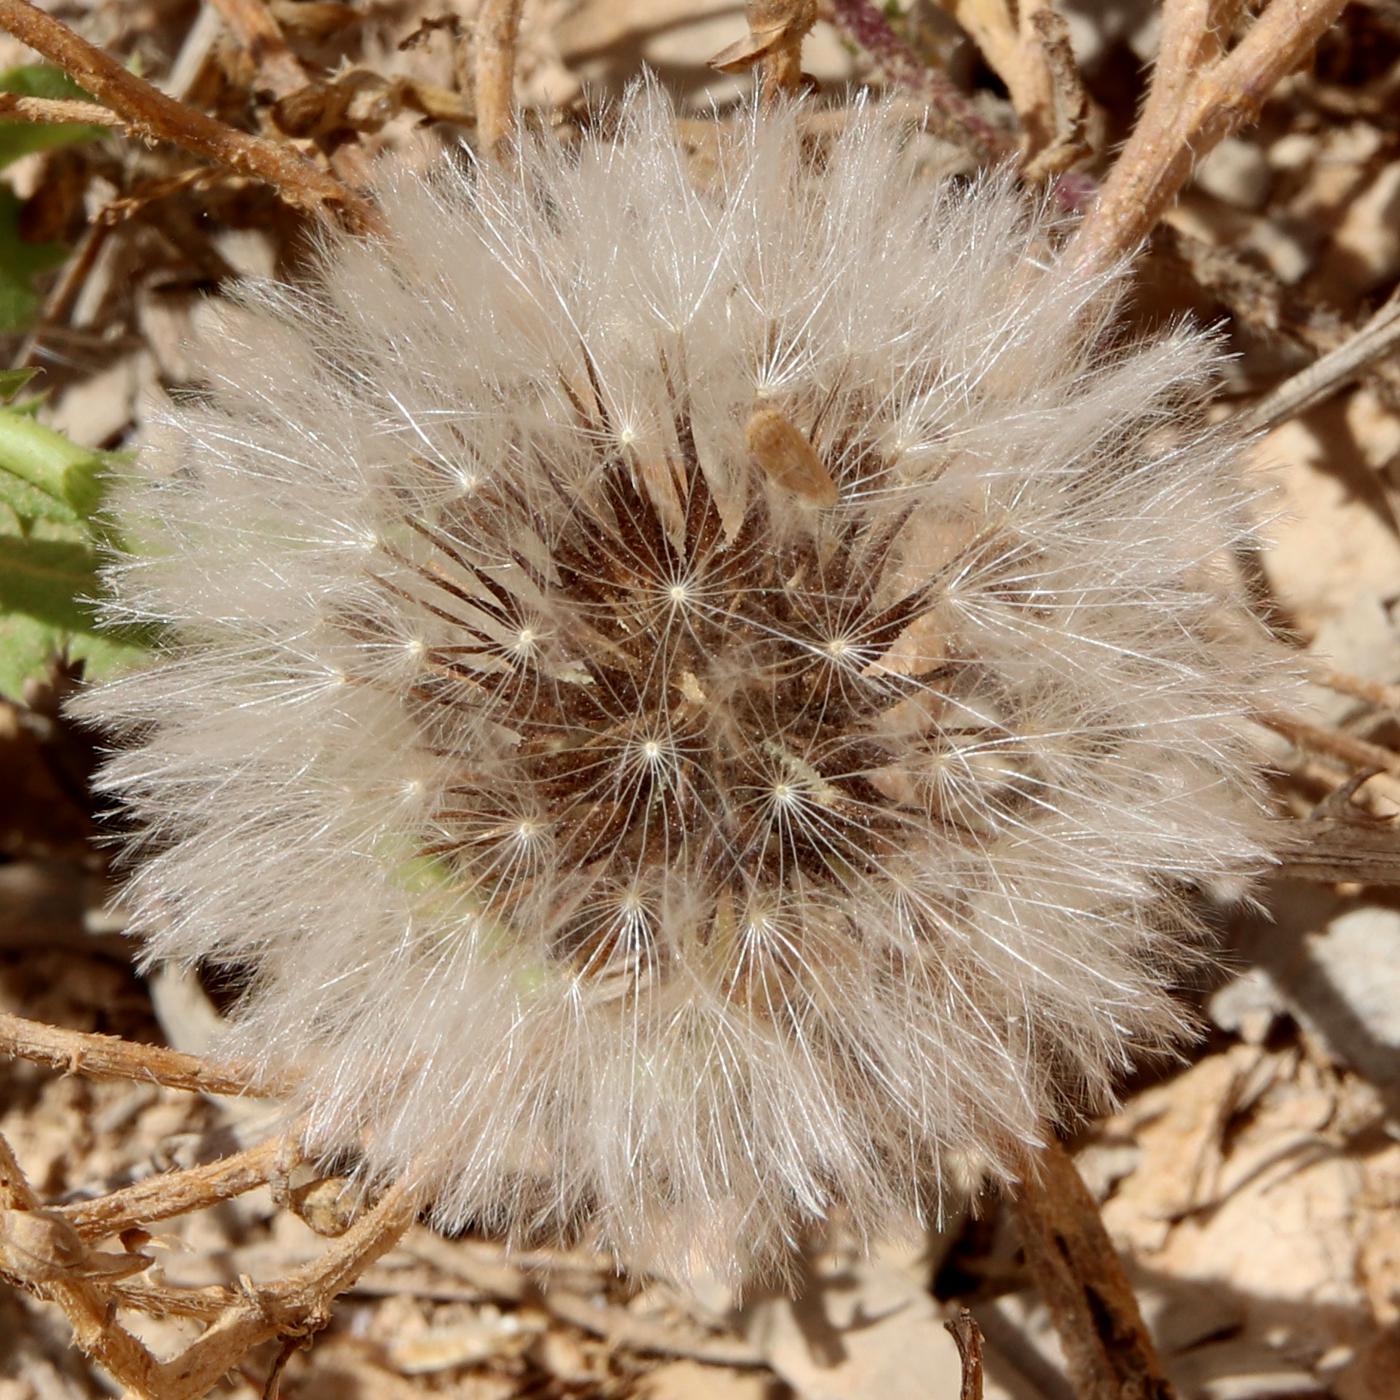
{"points": [[788, 457]]}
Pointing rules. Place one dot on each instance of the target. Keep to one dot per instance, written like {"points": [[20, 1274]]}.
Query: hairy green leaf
{"points": [[49, 490]]}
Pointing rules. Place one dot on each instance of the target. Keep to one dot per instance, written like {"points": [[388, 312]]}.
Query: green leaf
{"points": [[24, 138], [20, 263], [28, 646], [45, 585], [45, 578], [13, 380], [49, 556], [61, 471]]}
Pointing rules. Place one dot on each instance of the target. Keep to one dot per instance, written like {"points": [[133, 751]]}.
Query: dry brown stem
{"points": [[968, 1336], [1341, 842], [621, 1328], [1001, 35], [239, 1318], [55, 109], [1378, 693], [1069, 103], [160, 1300], [1253, 296], [1341, 853], [184, 73], [1078, 1273], [497, 29], [99, 1336], [109, 1057], [1028, 46], [89, 1285], [296, 1307], [170, 1194], [1317, 382], [148, 114], [1332, 743], [281, 72], [1201, 92]]}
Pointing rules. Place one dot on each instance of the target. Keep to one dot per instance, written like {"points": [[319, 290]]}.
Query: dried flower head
{"points": [[689, 705]]}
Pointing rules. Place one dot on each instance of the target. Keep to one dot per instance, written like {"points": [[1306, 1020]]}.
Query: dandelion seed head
{"points": [[689, 704]]}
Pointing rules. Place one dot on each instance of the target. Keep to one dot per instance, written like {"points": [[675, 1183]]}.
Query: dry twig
{"points": [[49, 1258], [968, 1336], [184, 73], [1075, 1267], [1028, 47], [297, 1307], [1201, 92], [1378, 693], [1333, 850], [109, 1057], [1067, 99], [262, 37], [1317, 382], [13, 107], [497, 30], [257, 29], [169, 1194], [621, 1328], [98, 1335], [1332, 743], [89, 1285], [148, 114]]}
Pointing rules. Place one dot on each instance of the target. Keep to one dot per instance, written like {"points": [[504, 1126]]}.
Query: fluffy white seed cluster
{"points": [[688, 705]]}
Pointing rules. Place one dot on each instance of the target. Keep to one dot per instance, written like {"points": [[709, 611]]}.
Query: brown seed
{"points": [[328, 1205], [788, 458]]}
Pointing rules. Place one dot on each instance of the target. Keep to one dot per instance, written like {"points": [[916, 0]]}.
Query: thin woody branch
{"points": [[279, 69], [784, 24], [109, 1057], [239, 1318], [262, 36], [866, 24], [497, 30], [99, 1336], [169, 1194], [1107, 1347], [968, 1337], [13, 107], [1332, 743], [1373, 692], [1200, 94], [148, 114], [1334, 371], [1027, 44], [298, 1306]]}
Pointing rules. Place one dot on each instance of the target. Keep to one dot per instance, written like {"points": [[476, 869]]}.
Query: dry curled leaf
{"points": [[771, 23], [358, 100], [313, 19], [39, 1246]]}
